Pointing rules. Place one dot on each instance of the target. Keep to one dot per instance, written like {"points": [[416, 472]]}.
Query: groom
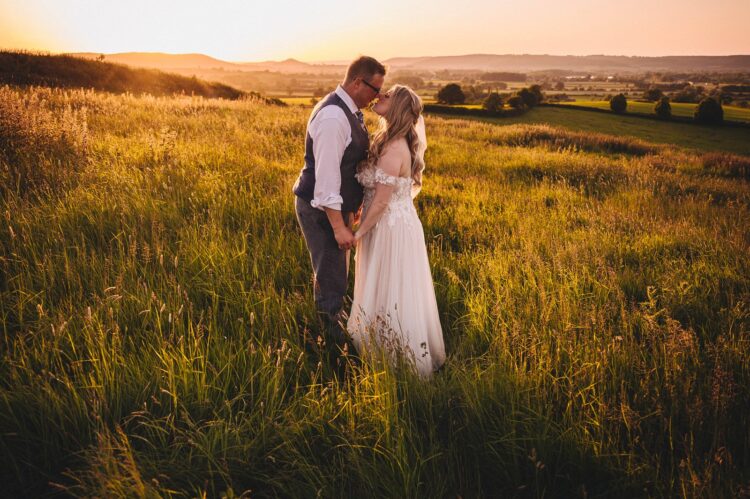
{"points": [[327, 194]]}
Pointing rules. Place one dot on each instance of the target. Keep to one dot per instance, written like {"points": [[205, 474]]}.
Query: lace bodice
{"points": [[400, 206]]}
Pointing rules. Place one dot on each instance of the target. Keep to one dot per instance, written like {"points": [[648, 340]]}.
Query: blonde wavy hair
{"points": [[399, 121]]}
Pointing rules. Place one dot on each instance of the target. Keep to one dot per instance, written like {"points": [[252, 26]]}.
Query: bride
{"points": [[394, 299]]}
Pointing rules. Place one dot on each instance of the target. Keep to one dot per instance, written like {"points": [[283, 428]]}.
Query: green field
{"points": [[298, 101], [731, 113], [158, 325], [687, 135]]}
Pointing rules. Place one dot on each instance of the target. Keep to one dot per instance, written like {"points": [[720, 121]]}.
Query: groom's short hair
{"points": [[364, 67]]}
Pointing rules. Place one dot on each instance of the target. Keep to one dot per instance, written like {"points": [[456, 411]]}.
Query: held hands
{"points": [[342, 231], [345, 238]]}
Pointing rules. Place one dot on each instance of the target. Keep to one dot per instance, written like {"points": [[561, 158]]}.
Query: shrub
{"points": [[562, 97], [516, 102], [653, 94], [493, 102], [709, 112], [618, 103], [473, 94], [663, 108], [537, 90], [528, 97], [451, 94]]}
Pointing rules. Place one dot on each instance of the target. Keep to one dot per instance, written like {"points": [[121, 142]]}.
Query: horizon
{"points": [[284, 30]]}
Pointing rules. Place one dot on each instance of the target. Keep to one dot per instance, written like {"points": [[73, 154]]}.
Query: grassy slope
{"points": [[735, 140], [594, 303], [21, 68]]}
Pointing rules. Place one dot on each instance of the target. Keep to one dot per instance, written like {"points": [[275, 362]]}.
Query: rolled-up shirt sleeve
{"points": [[329, 136]]}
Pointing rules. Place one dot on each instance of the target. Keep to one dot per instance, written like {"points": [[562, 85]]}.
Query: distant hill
{"points": [[22, 68], [295, 66], [157, 60], [595, 63], [475, 62]]}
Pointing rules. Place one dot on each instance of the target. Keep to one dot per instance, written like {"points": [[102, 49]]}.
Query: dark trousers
{"points": [[330, 265]]}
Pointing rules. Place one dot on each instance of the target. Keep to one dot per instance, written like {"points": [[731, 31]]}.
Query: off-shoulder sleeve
{"points": [[382, 177], [385, 175]]}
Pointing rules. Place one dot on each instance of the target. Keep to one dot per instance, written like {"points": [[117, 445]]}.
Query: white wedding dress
{"points": [[394, 298]]}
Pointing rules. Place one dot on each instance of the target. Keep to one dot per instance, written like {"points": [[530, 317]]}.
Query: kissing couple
{"points": [[356, 191]]}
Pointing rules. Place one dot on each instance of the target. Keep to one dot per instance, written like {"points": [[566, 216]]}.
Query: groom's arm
{"points": [[330, 135], [329, 132]]}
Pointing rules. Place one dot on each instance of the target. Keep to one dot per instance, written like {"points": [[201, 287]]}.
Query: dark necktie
{"points": [[361, 118]]}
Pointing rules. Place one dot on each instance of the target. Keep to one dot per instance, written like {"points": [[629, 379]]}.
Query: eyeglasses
{"points": [[377, 89]]}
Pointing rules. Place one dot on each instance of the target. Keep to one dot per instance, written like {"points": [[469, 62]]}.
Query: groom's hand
{"points": [[342, 233], [344, 237]]}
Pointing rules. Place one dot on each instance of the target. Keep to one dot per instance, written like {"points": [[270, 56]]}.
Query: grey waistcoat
{"points": [[356, 151]]}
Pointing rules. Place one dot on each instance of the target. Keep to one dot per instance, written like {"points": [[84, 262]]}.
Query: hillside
{"points": [[21, 68], [159, 60]]}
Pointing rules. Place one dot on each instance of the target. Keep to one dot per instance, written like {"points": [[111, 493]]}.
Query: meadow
{"points": [[688, 136], [731, 113], [159, 334]]}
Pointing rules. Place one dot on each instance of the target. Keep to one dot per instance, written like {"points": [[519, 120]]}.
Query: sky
{"points": [[331, 30]]}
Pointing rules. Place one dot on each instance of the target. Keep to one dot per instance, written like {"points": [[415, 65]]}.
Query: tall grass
{"points": [[159, 334]]}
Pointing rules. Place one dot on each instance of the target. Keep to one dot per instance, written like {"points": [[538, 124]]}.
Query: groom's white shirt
{"points": [[331, 134]]}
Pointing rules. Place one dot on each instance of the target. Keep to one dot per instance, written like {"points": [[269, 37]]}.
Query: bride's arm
{"points": [[390, 163]]}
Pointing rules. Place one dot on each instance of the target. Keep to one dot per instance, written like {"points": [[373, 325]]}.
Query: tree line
{"points": [[525, 98], [708, 111]]}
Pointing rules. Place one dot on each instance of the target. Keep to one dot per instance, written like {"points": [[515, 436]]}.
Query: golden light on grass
{"points": [[155, 291]]}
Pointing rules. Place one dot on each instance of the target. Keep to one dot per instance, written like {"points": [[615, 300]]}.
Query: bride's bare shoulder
{"points": [[397, 155], [396, 146]]}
